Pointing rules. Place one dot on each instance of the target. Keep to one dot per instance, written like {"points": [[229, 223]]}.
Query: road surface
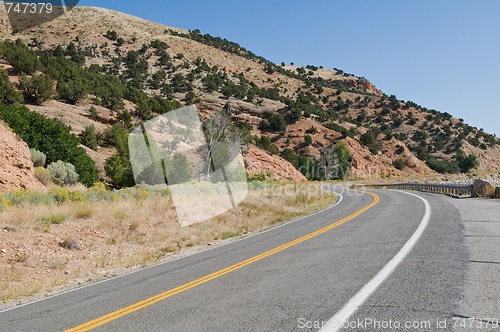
{"points": [[292, 278]]}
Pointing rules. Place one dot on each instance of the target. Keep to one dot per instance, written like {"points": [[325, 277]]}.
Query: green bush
{"points": [[308, 139], [369, 139], [399, 149], [466, 162], [8, 92], [273, 121], [399, 163], [63, 173], [312, 130], [43, 176], [93, 113], [51, 137], [442, 166], [265, 143], [259, 177], [36, 89], [111, 35], [38, 158], [19, 56], [118, 167], [53, 219], [71, 91], [90, 138], [178, 168], [291, 156]]}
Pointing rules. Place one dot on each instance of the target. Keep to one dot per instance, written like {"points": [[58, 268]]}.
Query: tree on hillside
{"points": [[90, 137], [36, 89], [178, 169], [20, 57], [466, 162], [220, 136], [71, 91], [369, 139], [118, 167], [8, 92], [334, 162]]}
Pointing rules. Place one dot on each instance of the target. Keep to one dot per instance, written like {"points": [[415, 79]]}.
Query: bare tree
{"points": [[221, 137]]}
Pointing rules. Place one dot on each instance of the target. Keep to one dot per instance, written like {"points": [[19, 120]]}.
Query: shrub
{"points": [[76, 196], [466, 162], [4, 202], [277, 122], [442, 166], [308, 139], [51, 137], [71, 91], [43, 176], [36, 89], [38, 158], [19, 56], [259, 177], [291, 156], [63, 173], [118, 167], [369, 139], [90, 138], [110, 90], [265, 143], [111, 35], [312, 130], [53, 219], [273, 121], [178, 169], [8, 93], [93, 113], [399, 149], [399, 163]]}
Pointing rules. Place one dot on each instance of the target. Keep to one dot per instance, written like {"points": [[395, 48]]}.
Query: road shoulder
{"points": [[481, 228]]}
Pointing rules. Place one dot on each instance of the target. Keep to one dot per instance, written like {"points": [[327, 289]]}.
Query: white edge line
{"points": [[341, 198], [341, 317]]}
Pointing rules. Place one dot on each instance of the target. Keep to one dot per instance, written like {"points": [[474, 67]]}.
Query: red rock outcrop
{"points": [[259, 161], [16, 169]]}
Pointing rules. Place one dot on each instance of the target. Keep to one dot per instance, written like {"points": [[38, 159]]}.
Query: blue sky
{"points": [[440, 54]]}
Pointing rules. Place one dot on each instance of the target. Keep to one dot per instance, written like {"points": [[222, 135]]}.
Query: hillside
{"points": [[129, 70]]}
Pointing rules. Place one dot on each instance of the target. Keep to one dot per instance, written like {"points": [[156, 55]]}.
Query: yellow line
{"points": [[160, 297]]}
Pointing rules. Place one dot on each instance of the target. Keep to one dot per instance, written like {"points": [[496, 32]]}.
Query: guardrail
{"points": [[457, 190]]}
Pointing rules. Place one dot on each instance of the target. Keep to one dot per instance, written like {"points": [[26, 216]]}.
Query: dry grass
{"points": [[111, 238]]}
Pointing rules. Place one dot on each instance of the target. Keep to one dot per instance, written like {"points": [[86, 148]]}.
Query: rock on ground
{"points": [[481, 188]]}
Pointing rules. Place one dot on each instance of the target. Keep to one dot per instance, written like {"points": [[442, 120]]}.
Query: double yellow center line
{"points": [[174, 291]]}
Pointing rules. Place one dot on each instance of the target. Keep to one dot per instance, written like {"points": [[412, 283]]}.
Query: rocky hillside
{"points": [[16, 169], [112, 69]]}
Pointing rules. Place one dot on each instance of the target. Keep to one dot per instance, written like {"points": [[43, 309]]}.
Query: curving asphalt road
{"points": [[297, 287]]}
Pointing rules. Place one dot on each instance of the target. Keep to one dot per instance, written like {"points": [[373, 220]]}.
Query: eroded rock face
{"points": [[482, 188], [497, 192], [16, 169], [259, 161]]}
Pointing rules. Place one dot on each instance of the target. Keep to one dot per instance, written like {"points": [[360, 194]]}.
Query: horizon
{"points": [[446, 46]]}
